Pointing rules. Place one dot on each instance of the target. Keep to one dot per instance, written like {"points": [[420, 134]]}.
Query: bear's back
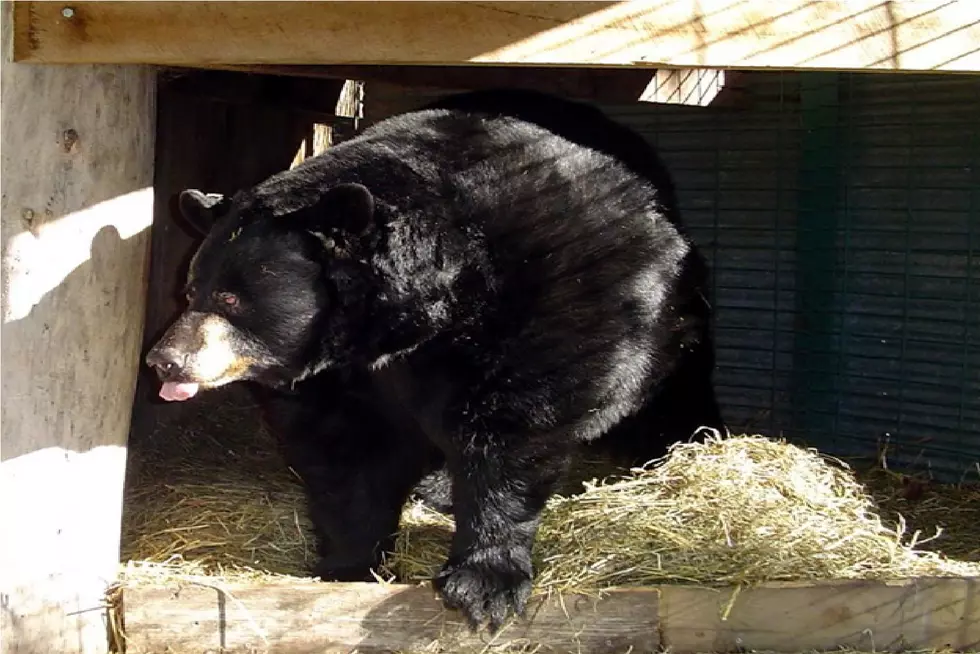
{"points": [[578, 241], [528, 190], [576, 121], [559, 228], [552, 263]]}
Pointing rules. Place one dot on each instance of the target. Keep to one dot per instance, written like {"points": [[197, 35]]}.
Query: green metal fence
{"points": [[841, 216]]}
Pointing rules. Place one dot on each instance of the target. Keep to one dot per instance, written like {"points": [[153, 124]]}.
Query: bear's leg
{"points": [[358, 470], [355, 505], [499, 489], [435, 491]]}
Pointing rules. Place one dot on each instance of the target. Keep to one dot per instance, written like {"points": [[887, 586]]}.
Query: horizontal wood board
{"points": [[302, 617], [926, 35]]}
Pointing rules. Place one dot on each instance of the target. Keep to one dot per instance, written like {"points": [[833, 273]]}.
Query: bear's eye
{"points": [[228, 300]]}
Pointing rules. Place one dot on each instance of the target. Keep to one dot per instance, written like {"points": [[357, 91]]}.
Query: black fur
{"points": [[483, 293]]}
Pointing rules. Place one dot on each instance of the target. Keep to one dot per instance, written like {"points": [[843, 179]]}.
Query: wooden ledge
{"points": [[925, 613]]}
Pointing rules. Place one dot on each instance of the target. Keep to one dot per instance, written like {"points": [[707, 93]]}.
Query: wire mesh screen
{"points": [[841, 217]]}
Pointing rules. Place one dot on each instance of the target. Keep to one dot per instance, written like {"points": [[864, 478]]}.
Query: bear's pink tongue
{"points": [[175, 392]]}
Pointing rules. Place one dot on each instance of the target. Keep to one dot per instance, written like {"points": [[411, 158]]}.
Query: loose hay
{"points": [[926, 504], [738, 510], [213, 492], [235, 522], [212, 496]]}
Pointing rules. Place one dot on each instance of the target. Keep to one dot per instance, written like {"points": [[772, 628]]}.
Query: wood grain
{"points": [[691, 87], [934, 35], [77, 169], [312, 617], [909, 614]]}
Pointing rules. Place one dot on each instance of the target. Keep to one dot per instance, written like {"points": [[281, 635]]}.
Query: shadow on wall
{"points": [[54, 369], [67, 384], [77, 159]]}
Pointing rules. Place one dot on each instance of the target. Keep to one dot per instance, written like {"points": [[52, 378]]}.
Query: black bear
{"points": [[475, 287]]}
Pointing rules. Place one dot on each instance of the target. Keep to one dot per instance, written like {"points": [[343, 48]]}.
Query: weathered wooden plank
{"points": [[77, 169], [939, 35], [789, 617], [912, 614], [698, 87], [313, 617]]}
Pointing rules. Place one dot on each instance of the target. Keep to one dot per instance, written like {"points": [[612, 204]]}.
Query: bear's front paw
{"points": [[487, 583]]}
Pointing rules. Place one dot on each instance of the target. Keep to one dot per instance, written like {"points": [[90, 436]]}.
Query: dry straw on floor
{"points": [[736, 510], [213, 494], [210, 488]]}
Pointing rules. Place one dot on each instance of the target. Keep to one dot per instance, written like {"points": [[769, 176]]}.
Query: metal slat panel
{"points": [[911, 229], [736, 176], [898, 351]]}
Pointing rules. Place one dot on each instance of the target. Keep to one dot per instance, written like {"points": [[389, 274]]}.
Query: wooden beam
{"points": [[77, 162], [691, 87], [313, 617], [925, 35]]}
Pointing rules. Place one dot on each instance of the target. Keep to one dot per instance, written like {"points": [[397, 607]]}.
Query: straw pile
{"points": [[739, 510], [213, 496]]}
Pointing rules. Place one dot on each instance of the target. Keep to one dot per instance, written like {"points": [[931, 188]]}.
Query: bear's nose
{"points": [[168, 362]]}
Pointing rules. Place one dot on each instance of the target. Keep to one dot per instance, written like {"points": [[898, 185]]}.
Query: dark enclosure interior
{"points": [[841, 217], [840, 214]]}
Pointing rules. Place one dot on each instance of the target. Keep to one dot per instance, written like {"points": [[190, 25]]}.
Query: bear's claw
{"points": [[486, 586]]}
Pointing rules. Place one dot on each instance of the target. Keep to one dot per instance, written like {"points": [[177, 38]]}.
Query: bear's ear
{"points": [[349, 207], [200, 210]]}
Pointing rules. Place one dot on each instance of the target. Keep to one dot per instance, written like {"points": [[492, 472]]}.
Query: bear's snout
{"points": [[200, 350], [167, 361]]}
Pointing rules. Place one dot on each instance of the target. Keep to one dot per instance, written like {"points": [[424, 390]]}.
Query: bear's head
{"points": [[274, 293]]}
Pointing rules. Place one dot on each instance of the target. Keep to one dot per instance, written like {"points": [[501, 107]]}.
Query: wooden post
{"points": [[77, 169]]}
